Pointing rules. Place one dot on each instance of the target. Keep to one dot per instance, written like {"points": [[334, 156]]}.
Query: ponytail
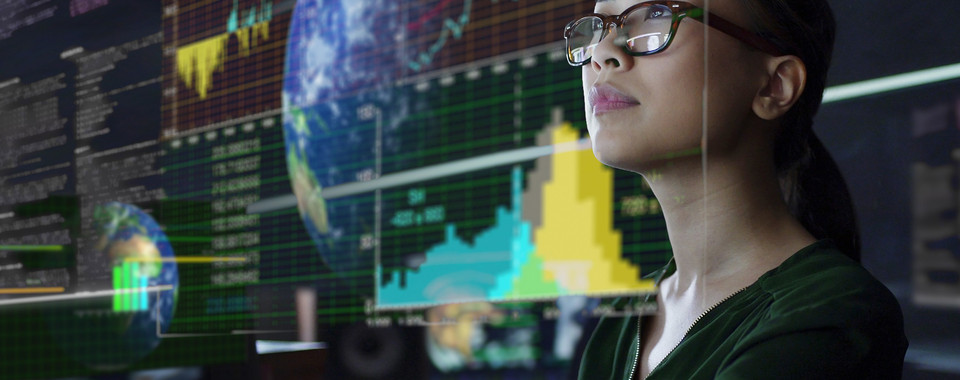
{"points": [[817, 195], [810, 180]]}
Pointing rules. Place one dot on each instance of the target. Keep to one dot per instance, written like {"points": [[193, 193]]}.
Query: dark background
{"points": [[872, 140]]}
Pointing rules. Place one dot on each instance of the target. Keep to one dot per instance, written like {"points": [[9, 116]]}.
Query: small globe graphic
{"points": [[95, 331], [339, 100]]}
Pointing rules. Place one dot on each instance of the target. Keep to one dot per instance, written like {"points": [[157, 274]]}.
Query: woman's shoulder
{"points": [[823, 314], [821, 286]]}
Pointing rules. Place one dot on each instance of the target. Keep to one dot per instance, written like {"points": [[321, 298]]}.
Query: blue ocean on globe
{"points": [[341, 111], [95, 334]]}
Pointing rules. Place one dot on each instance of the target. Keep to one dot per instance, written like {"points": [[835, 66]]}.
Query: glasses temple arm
{"points": [[735, 31]]}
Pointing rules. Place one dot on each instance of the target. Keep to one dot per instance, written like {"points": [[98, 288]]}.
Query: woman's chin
{"points": [[637, 159], [617, 158]]}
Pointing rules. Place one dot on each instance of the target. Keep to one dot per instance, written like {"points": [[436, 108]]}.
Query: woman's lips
{"points": [[605, 98]]}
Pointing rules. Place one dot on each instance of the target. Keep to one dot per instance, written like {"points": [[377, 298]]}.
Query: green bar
{"points": [[32, 248], [117, 285], [127, 282]]}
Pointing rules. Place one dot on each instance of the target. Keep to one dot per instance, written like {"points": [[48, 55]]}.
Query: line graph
{"points": [[415, 26], [452, 27]]}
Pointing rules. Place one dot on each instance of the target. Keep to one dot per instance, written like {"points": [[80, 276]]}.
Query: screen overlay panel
{"points": [[191, 176]]}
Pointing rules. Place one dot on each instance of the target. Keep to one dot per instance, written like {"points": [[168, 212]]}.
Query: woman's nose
{"points": [[607, 55]]}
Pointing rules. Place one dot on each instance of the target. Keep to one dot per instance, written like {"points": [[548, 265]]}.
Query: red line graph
{"points": [[416, 25]]}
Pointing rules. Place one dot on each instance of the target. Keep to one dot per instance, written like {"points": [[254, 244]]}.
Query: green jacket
{"points": [[819, 315]]}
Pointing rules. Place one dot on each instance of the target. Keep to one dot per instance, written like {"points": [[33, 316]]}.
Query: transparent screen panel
{"points": [[469, 185]]}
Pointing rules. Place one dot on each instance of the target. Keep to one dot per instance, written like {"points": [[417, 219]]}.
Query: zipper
{"points": [[695, 321], [633, 369]]}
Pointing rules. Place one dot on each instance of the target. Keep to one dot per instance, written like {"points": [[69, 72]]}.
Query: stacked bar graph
{"points": [[130, 287]]}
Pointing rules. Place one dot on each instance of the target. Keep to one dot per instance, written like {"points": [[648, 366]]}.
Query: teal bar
{"points": [[143, 293], [117, 285]]}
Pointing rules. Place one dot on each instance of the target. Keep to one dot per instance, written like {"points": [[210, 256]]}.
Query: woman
{"points": [[765, 280]]}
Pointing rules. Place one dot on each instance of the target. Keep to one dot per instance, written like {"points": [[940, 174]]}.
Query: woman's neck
{"points": [[726, 228]]}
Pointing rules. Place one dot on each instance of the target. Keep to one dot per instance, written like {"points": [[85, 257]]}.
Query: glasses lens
{"points": [[583, 38], [646, 29]]}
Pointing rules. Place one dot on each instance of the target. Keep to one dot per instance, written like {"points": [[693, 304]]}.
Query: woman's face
{"points": [[642, 110]]}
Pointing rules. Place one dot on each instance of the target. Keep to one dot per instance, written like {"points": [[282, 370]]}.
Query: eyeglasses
{"points": [[648, 28]]}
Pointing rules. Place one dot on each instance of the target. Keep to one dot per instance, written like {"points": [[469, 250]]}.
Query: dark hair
{"points": [[810, 180]]}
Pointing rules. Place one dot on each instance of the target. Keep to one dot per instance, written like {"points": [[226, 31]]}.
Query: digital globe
{"points": [[111, 333]]}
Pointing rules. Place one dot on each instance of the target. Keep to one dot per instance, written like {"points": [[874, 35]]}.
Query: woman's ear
{"points": [[786, 79]]}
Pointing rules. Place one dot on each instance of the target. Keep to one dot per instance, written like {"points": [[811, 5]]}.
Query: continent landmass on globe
{"points": [[123, 235], [306, 186]]}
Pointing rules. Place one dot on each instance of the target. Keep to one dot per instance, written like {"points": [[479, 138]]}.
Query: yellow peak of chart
{"points": [[580, 248], [197, 62]]}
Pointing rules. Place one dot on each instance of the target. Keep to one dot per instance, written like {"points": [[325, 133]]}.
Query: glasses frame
{"points": [[681, 10]]}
